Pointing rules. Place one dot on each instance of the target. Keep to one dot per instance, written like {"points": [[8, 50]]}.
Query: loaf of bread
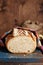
{"points": [[22, 41]]}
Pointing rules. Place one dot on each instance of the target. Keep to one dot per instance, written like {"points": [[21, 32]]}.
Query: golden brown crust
{"points": [[10, 36], [28, 34]]}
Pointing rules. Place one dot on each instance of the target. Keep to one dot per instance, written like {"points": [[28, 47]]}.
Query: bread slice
{"points": [[21, 42]]}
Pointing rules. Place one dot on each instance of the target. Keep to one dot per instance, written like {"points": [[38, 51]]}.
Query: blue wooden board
{"points": [[5, 56]]}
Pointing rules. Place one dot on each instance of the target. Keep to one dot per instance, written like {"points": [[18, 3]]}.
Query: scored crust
{"points": [[21, 43]]}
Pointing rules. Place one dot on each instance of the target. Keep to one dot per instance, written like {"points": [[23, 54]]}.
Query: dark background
{"points": [[20, 10], [21, 63]]}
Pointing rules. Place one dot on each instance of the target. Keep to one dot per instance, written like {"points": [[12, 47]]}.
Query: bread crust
{"points": [[24, 34]]}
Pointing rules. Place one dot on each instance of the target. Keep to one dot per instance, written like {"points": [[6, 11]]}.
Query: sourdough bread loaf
{"points": [[22, 41]]}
